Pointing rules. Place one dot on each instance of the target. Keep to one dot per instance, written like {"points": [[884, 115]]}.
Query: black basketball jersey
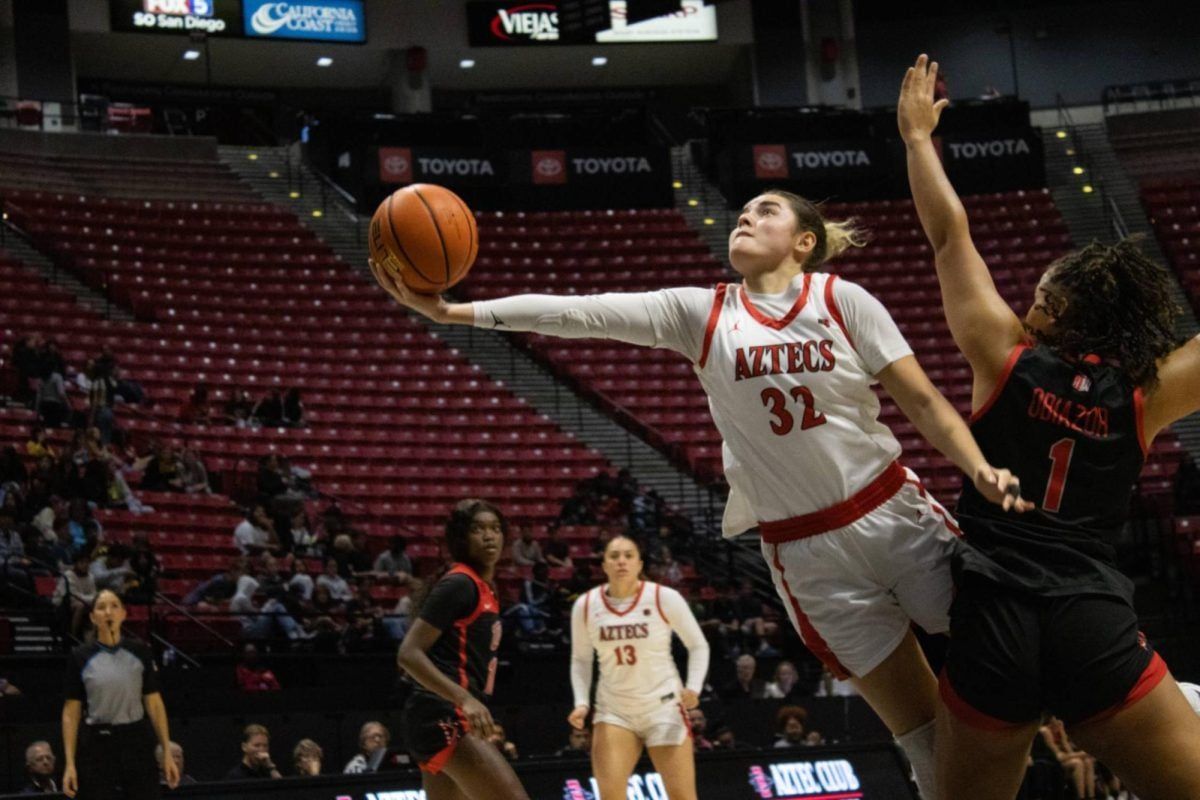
{"points": [[464, 608], [1072, 432]]}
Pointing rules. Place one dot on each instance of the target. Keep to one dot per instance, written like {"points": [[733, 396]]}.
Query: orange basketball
{"points": [[426, 235]]}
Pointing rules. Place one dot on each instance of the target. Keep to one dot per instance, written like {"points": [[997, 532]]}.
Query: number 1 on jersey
{"points": [[1060, 458]]}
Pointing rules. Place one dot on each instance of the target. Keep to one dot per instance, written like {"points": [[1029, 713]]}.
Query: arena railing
{"points": [[1151, 96]]}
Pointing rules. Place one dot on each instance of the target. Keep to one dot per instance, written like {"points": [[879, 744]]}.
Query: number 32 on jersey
{"points": [[782, 419]]}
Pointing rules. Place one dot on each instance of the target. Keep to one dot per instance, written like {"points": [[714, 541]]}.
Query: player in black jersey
{"points": [[1070, 400], [450, 652]]}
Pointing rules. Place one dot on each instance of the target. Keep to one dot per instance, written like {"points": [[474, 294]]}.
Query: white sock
{"points": [[917, 744]]}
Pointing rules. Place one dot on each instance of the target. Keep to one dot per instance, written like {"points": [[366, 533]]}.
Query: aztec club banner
{"points": [[507, 23]]}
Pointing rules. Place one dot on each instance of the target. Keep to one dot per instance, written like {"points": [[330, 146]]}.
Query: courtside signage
{"points": [[310, 20], [212, 17]]}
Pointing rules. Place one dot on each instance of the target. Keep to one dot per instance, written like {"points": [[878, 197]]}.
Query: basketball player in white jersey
{"points": [[640, 700], [856, 546]]}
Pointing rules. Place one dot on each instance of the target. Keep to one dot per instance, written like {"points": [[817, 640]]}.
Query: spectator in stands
{"points": [[373, 741], [110, 568], [75, 592], [256, 763], [197, 410], [398, 622], [359, 557], [789, 726], [193, 477], [177, 757], [238, 408], [533, 613], [579, 743], [744, 684], [162, 472], [645, 512], [335, 584], [1187, 487], [142, 582], [323, 601], [256, 533], [218, 589], [699, 724], [269, 410], [39, 445], [252, 674], [293, 409], [829, 686], [557, 551], [25, 362], [12, 468], [525, 550], [1078, 766], [393, 563], [126, 389], [300, 583], [785, 685], [55, 509], [52, 406], [272, 482], [500, 739], [40, 765], [255, 625], [307, 756], [304, 540], [15, 566], [725, 739], [100, 402], [269, 575], [666, 569]]}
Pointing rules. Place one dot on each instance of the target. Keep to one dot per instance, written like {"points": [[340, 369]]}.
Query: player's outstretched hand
{"points": [[479, 718], [916, 111], [689, 699], [1002, 488], [428, 305], [578, 717], [171, 772]]}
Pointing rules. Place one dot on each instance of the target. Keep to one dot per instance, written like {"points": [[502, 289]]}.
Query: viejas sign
{"points": [[507, 23]]}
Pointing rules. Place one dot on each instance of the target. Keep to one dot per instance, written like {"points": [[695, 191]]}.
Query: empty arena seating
{"points": [[141, 178], [1174, 210], [589, 252]]}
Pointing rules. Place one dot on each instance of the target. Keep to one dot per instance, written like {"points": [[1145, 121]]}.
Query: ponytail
{"points": [[833, 237], [840, 236]]}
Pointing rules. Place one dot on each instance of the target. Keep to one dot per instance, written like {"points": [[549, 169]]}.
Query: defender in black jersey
{"points": [[450, 653], [1070, 399]]}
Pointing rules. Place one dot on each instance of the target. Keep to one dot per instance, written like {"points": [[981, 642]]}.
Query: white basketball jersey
{"points": [[792, 398], [633, 647]]}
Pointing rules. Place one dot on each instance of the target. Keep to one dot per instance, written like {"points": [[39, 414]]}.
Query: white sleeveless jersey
{"points": [[792, 398], [633, 648]]}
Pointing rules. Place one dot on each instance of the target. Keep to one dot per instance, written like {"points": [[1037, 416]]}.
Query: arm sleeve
{"points": [[582, 655], [683, 622], [672, 319], [73, 680], [150, 682], [874, 332], [452, 598]]}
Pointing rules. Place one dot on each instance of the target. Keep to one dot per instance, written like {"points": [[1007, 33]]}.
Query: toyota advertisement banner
{"points": [[573, 177], [850, 169], [523, 23]]}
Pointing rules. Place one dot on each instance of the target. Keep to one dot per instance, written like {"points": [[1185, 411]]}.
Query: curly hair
{"points": [[1119, 307], [458, 532]]}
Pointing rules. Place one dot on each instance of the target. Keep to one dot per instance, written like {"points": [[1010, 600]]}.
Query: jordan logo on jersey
{"points": [[779, 359], [1081, 383]]}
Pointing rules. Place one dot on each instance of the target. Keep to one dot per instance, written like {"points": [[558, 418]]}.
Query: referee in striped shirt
{"points": [[112, 688]]}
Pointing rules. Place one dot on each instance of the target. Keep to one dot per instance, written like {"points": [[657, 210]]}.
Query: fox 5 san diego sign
{"points": [[212, 17]]}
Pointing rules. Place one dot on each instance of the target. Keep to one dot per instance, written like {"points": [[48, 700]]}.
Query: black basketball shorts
{"points": [[1014, 655], [433, 728]]}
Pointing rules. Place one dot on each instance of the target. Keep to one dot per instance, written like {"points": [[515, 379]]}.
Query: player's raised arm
{"points": [[1177, 392], [984, 327]]}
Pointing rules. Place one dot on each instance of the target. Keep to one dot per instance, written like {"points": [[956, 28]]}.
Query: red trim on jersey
{"points": [[966, 712], [1139, 414], [658, 603], [786, 319], [947, 520], [808, 634], [832, 307], [711, 326], [854, 508], [636, 599], [687, 722], [1005, 373], [440, 759], [484, 592], [1151, 677]]}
